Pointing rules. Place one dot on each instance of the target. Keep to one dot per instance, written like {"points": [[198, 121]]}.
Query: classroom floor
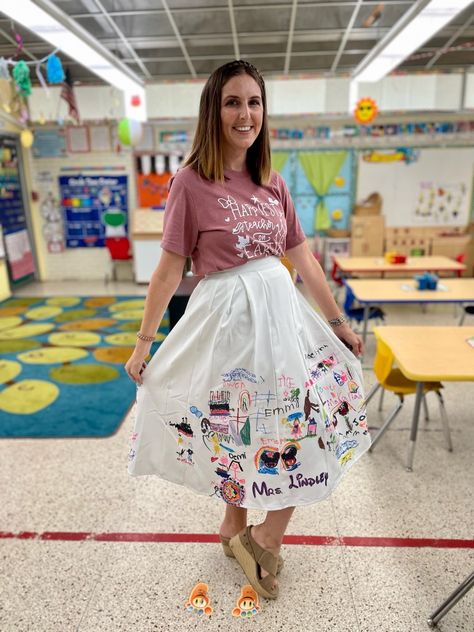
{"points": [[86, 548]]}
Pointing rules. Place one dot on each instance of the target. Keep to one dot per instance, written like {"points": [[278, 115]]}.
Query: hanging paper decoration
{"points": [[67, 93], [366, 110], [4, 74], [26, 138], [23, 114], [19, 41], [21, 75], [54, 70], [5, 94], [16, 104], [130, 132], [41, 79]]}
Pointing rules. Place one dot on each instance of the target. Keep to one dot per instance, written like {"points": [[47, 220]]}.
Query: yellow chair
{"points": [[289, 266], [392, 379]]}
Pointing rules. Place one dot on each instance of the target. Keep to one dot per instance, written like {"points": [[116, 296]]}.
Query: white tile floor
{"points": [[77, 486]]}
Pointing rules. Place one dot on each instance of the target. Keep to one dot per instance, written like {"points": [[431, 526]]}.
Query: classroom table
{"points": [[369, 292], [430, 354], [353, 265]]}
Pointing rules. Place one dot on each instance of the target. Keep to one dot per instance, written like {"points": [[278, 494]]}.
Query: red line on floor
{"points": [[211, 538]]}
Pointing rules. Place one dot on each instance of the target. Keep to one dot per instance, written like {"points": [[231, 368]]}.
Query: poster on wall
{"points": [[49, 143], [50, 211], [422, 187], [152, 190], [12, 213], [153, 177], [77, 139], [100, 138], [441, 202], [19, 254], [94, 208]]}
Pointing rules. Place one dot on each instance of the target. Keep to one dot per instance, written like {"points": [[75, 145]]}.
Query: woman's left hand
{"points": [[352, 340]]}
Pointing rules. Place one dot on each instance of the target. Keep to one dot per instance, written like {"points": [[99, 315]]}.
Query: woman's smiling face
{"points": [[241, 114]]}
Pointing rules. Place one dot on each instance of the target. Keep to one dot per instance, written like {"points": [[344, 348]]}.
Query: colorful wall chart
{"points": [[94, 207]]}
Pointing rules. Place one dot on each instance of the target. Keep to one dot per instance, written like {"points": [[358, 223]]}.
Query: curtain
{"points": [[279, 160], [321, 168]]}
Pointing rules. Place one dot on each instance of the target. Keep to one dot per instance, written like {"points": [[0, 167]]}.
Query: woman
{"points": [[249, 361]]}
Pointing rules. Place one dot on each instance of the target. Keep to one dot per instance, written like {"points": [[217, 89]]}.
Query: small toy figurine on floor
{"points": [[247, 603], [199, 601]]}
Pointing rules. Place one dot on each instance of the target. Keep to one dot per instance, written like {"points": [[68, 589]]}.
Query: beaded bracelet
{"points": [[145, 338], [336, 322]]}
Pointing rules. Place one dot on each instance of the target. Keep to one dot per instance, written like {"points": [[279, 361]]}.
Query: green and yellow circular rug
{"points": [[62, 364]]}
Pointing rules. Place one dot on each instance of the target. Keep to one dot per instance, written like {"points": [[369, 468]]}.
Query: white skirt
{"points": [[251, 398]]}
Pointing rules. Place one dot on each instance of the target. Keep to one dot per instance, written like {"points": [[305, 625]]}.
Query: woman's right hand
{"points": [[136, 365]]}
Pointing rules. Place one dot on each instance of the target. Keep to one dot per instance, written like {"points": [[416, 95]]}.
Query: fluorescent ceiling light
{"points": [[48, 22], [409, 34]]}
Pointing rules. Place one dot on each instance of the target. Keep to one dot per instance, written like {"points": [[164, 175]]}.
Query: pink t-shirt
{"points": [[223, 225]]}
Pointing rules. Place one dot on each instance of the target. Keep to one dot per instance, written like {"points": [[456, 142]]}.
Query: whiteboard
{"points": [[431, 187]]}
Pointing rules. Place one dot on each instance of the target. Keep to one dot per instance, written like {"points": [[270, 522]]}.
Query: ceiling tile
{"points": [[262, 30], [264, 20]]}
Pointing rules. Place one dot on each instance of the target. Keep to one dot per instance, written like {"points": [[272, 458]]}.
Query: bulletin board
{"points": [[94, 207], [152, 189], [153, 175], [419, 186], [13, 213], [49, 143]]}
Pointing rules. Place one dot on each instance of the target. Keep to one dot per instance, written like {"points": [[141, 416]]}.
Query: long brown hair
{"points": [[206, 155]]}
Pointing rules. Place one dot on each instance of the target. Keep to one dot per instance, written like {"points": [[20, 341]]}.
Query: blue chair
{"points": [[357, 313]]}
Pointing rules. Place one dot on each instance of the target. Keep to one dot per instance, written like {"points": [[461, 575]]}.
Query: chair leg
{"points": [[387, 423], [425, 408], [381, 399], [444, 420], [463, 588], [372, 392], [110, 274], [463, 316]]}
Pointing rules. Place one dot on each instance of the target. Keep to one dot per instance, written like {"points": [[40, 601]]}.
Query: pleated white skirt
{"points": [[251, 398]]}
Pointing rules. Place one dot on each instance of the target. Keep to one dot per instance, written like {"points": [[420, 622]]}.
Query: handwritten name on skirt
{"points": [[295, 483]]}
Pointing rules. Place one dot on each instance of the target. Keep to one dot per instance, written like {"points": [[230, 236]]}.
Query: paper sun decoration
{"points": [[366, 110]]}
